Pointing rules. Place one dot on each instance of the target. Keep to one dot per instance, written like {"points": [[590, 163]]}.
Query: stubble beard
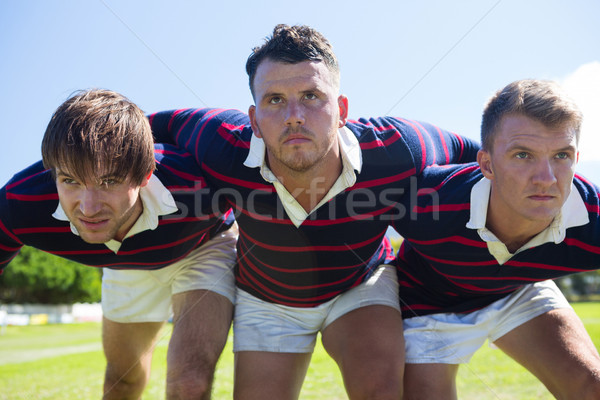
{"points": [[298, 160]]}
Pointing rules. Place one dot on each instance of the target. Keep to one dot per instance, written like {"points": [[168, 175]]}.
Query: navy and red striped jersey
{"points": [[29, 199], [341, 242], [445, 267]]}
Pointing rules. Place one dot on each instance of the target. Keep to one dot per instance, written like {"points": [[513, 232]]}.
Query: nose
{"points": [[90, 201], [294, 114], [544, 173]]}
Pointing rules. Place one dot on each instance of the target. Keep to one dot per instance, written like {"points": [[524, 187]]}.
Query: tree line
{"points": [[35, 276]]}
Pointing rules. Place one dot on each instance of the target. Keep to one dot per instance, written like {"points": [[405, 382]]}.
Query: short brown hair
{"points": [[291, 45], [99, 131], [541, 100]]}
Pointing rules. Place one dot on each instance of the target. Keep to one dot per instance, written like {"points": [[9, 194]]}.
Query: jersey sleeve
{"points": [[9, 242], [431, 145], [175, 127], [588, 236], [200, 129]]}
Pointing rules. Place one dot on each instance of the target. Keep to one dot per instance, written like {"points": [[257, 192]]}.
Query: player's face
{"points": [[531, 167], [298, 112], [101, 209]]}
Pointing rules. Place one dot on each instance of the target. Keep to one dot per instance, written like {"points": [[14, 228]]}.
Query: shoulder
{"points": [[174, 165], [375, 125], [388, 125], [590, 193], [381, 133], [388, 131], [195, 117]]}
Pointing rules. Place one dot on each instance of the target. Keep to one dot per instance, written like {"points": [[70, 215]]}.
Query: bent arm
{"points": [[198, 129], [432, 145]]}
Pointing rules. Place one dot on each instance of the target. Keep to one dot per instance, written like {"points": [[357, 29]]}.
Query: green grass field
{"points": [[66, 362]]}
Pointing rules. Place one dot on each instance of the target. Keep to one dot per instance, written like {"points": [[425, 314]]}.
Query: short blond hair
{"points": [[541, 100]]}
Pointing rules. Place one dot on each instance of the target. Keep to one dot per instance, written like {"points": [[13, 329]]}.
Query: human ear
{"points": [[485, 163], [253, 124], [146, 179], [343, 106]]}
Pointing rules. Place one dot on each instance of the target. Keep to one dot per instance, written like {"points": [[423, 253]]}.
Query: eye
{"points": [[562, 155], [310, 96], [69, 181], [275, 100], [109, 181], [522, 155]]}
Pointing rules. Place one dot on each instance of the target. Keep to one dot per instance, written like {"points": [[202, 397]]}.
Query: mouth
{"points": [[93, 224], [296, 139], [541, 197]]}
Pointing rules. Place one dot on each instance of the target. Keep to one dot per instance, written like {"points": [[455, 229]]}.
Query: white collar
{"points": [[572, 213]]}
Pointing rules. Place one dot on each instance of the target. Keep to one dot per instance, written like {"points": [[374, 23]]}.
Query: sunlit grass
{"points": [[489, 375]]}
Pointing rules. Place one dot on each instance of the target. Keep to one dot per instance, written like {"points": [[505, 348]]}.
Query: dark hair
{"points": [[99, 132], [293, 44], [543, 101]]}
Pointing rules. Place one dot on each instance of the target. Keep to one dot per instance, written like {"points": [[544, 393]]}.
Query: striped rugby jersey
{"points": [[450, 263], [29, 199], [340, 243]]}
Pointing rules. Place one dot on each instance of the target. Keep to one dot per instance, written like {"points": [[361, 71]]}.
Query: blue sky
{"points": [[437, 61]]}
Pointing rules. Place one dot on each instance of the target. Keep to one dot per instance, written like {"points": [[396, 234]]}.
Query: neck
{"points": [[513, 241], [138, 208], [510, 231], [310, 187]]}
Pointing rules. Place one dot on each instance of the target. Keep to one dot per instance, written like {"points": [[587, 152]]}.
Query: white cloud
{"points": [[584, 86]]}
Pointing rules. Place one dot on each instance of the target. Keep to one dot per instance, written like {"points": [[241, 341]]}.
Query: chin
{"points": [[94, 239], [299, 164], [547, 216]]}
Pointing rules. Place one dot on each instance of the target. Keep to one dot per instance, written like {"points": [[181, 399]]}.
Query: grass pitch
{"points": [[57, 362]]}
